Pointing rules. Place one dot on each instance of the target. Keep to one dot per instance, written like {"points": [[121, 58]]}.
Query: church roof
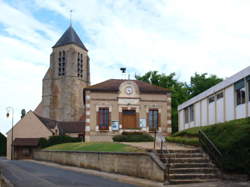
{"points": [[70, 37], [112, 85]]}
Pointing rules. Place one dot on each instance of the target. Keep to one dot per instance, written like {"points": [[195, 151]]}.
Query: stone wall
{"points": [[144, 165]]}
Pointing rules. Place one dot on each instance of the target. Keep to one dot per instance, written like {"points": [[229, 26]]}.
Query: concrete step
{"points": [[203, 170], [191, 165], [186, 181], [185, 151], [181, 155], [189, 160], [192, 176]]}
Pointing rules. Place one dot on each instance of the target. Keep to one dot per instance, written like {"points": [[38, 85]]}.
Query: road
{"points": [[28, 174]]}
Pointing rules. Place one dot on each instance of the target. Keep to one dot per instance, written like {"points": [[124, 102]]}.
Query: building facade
{"points": [[115, 106], [228, 100]]}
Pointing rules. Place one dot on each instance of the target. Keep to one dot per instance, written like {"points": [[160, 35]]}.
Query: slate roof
{"points": [[112, 85], [70, 37], [64, 127], [26, 142]]}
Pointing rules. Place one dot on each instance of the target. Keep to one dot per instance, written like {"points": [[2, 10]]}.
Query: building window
{"points": [[248, 90], [103, 121], [79, 65], [240, 91], [219, 95], [191, 109], [211, 99], [189, 114], [61, 63], [248, 83], [186, 115], [153, 119]]}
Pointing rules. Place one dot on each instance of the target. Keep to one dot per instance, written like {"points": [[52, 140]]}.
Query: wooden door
{"points": [[129, 119]]}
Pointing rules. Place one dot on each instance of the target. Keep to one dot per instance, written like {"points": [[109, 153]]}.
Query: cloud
{"points": [[165, 35]]}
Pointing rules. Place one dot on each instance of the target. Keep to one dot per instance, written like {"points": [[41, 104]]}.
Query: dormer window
{"points": [[80, 65], [61, 63]]}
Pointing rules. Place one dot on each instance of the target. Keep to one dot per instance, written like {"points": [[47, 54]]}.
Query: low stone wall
{"points": [[144, 165]]}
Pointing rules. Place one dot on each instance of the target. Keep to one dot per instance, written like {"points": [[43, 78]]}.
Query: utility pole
{"points": [[8, 109]]}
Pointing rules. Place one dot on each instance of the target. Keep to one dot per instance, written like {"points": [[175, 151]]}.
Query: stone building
{"points": [[114, 106], [70, 106]]}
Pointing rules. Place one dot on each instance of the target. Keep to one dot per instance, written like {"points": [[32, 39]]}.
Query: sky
{"points": [[203, 36]]}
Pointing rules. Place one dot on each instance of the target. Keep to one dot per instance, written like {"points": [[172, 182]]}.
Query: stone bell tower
{"points": [[66, 78]]}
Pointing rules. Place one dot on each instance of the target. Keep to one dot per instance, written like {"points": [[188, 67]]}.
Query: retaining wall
{"points": [[144, 165]]}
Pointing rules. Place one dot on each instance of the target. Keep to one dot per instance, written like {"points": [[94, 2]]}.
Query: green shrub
{"points": [[43, 142], [133, 137], [183, 140], [53, 140], [3, 141], [132, 133]]}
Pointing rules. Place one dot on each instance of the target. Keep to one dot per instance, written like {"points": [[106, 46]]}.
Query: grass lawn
{"points": [[94, 146]]}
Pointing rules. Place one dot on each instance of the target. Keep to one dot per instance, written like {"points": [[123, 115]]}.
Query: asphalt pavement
{"points": [[28, 174]]}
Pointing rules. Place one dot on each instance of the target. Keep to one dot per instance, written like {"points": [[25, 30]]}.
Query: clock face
{"points": [[129, 90]]}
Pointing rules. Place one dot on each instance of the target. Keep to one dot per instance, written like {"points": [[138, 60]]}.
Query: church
{"points": [[71, 106]]}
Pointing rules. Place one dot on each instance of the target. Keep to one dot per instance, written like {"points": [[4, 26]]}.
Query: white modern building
{"points": [[228, 100]]}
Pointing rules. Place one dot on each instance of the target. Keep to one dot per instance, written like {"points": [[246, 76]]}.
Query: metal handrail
{"points": [[211, 149], [168, 160]]}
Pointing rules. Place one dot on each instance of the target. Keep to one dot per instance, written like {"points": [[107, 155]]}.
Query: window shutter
{"points": [[109, 119], [159, 119], [98, 118]]}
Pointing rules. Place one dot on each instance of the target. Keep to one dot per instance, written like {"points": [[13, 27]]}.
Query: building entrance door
{"points": [[129, 119]]}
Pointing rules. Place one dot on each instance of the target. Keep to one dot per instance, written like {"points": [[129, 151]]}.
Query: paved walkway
{"points": [[150, 145]]}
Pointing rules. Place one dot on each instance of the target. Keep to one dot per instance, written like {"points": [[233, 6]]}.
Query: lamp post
{"points": [[11, 109]]}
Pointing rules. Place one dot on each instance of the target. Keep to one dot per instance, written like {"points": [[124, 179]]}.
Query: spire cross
{"points": [[71, 17]]}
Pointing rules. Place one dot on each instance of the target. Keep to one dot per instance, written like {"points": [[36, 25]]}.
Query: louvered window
{"points": [[61, 63], [79, 65]]}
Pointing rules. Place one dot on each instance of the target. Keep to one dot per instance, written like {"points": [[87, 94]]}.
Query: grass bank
{"points": [[94, 146], [232, 138]]}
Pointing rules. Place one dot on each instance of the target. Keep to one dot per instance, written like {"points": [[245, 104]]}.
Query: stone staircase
{"points": [[188, 166]]}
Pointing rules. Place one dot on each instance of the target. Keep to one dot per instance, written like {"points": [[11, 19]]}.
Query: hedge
{"points": [[53, 140], [133, 137]]}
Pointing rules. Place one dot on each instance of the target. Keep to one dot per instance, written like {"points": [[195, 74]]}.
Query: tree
{"points": [[181, 91], [200, 83], [3, 141]]}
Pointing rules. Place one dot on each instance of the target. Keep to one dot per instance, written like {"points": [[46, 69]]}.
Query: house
{"points": [[228, 100]]}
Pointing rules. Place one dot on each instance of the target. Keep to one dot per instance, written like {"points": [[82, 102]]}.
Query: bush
{"points": [[3, 141], [183, 140], [53, 140], [133, 137]]}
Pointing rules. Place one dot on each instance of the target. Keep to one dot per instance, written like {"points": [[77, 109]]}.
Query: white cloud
{"points": [[166, 35]]}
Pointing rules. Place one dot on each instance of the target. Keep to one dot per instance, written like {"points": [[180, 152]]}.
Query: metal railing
{"points": [[210, 148]]}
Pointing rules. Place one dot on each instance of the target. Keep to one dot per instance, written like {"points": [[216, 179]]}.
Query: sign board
{"points": [[142, 123], [115, 125]]}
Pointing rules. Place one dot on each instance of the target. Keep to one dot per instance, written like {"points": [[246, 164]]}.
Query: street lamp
{"points": [[11, 109]]}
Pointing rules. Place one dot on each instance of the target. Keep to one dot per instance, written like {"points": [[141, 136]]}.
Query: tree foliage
{"points": [[3, 141], [200, 83], [181, 91]]}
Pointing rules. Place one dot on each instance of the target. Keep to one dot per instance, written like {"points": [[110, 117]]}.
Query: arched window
{"points": [[79, 65], [61, 63]]}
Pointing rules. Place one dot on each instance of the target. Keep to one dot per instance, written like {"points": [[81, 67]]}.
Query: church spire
{"points": [[70, 37]]}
